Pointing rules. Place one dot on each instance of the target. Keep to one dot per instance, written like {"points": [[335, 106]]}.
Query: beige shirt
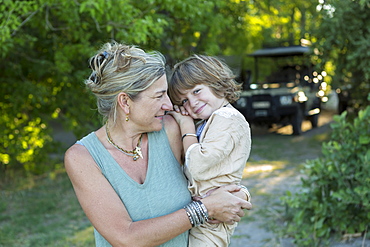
{"points": [[221, 154]]}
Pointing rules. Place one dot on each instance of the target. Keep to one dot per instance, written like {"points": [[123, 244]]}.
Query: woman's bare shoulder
{"points": [[171, 126], [76, 151], [76, 155]]}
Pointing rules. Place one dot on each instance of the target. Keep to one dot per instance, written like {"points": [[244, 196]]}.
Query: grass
{"points": [[43, 213]]}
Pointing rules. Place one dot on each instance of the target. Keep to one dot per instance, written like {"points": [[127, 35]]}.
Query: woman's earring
{"points": [[127, 118]]}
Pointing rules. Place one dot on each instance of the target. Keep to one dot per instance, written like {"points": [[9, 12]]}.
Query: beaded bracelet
{"points": [[197, 213]]}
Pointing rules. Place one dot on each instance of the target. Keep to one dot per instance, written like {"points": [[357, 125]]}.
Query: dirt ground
{"points": [[267, 184]]}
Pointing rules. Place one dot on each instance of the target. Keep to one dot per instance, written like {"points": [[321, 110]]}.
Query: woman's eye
{"points": [[184, 101], [196, 91]]}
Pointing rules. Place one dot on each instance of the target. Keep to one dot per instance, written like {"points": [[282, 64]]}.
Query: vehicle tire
{"points": [[342, 106], [296, 122], [314, 119]]}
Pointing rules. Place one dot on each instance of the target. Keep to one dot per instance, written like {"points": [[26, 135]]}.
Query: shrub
{"points": [[335, 194]]}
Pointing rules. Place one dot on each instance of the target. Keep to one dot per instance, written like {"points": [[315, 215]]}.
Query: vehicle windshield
{"points": [[281, 67], [286, 74]]}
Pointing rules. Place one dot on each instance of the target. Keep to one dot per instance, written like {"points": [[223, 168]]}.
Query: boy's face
{"points": [[200, 102]]}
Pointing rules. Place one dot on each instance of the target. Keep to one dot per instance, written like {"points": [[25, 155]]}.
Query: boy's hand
{"points": [[181, 109], [181, 119]]}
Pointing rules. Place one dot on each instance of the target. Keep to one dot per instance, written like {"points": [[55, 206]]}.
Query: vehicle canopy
{"points": [[281, 51], [287, 65]]}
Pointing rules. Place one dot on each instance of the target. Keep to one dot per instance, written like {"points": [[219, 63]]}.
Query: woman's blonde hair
{"points": [[201, 69], [120, 68]]}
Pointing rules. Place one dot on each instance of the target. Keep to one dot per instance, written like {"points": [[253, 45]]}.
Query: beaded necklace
{"points": [[136, 153]]}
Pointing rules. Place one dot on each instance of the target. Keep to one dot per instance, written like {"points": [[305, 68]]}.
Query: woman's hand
{"points": [[243, 193], [225, 207]]}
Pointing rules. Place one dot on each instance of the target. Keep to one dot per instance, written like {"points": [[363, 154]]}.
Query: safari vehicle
{"points": [[284, 89]]}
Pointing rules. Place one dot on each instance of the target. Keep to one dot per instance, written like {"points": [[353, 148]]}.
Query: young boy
{"points": [[216, 150]]}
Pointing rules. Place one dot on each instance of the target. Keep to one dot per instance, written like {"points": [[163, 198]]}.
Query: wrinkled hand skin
{"points": [[225, 207]]}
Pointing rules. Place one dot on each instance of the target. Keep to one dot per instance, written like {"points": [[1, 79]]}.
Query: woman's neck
{"points": [[122, 135]]}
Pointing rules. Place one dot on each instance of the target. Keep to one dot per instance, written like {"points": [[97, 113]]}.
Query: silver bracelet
{"points": [[197, 213], [194, 215], [191, 215], [190, 218], [246, 191], [188, 134], [204, 210]]}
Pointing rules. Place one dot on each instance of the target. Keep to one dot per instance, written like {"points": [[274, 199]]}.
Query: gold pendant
{"points": [[138, 151]]}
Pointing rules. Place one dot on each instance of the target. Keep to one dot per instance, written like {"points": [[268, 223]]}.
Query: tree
{"points": [[44, 49], [282, 22], [343, 40], [45, 45]]}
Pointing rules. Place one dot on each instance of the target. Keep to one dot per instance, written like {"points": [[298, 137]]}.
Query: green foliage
{"points": [[283, 22], [45, 45], [343, 39], [35, 81], [336, 189]]}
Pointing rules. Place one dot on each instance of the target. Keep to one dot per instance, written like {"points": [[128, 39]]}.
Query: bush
{"points": [[335, 195]]}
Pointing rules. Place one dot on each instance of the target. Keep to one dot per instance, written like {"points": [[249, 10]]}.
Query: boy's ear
{"points": [[123, 101]]}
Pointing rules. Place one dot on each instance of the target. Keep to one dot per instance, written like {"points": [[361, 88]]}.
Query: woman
{"points": [[127, 174]]}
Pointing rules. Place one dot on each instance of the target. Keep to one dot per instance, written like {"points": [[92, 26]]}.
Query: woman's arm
{"points": [[108, 214], [174, 137], [186, 127]]}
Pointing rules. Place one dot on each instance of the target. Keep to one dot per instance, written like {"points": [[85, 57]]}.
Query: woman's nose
{"points": [[167, 105]]}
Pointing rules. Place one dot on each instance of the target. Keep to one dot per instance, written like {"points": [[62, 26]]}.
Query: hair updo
{"points": [[120, 68]]}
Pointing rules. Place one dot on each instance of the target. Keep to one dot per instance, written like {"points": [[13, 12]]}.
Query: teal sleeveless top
{"points": [[163, 192]]}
